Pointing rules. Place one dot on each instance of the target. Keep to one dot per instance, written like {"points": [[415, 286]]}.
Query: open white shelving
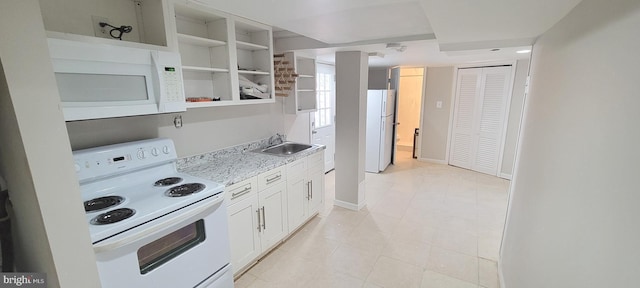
{"points": [[203, 69], [302, 97], [199, 41], [250, 46], [219, 51], [253, 72]]}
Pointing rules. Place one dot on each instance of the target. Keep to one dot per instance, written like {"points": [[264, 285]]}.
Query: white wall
{"points": [[51, 234], [435, 121], [204, 129], [515, 114], [378, 78], [573, 216], [297, 128]]}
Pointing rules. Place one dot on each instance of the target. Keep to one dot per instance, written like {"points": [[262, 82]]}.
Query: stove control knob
{"points": [[155, 152], [166, 150], [142, 154]]}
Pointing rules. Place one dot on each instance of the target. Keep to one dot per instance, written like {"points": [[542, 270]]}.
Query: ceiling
{"points": [[434, 31]]}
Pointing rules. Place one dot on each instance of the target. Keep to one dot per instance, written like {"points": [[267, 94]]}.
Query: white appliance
{"points": [[102, 81], [381, 105], [150, 225]]}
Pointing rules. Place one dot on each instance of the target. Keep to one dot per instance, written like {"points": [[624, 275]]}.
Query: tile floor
{"points": [[425, 225]]}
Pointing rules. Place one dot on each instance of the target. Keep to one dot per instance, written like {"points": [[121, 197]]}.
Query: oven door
{"points": [[181, 249]]}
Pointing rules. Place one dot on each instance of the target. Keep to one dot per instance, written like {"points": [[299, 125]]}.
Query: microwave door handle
{"points": [[157, 79], [163, 225]]}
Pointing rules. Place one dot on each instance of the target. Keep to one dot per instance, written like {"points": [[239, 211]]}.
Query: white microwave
{"points": [[102, 81]]}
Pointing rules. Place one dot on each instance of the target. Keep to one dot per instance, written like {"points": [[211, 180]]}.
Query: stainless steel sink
{"points": [[285, 149]]}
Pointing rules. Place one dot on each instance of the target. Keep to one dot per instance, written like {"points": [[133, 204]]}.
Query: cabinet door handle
{"points": [[264, 220], [238, 194], [259, 225], [308, 191], [311, 188], [275, 178]]}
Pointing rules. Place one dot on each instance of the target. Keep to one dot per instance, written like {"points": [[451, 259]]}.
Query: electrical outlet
{"points": [[102, 32], [177, 121]]}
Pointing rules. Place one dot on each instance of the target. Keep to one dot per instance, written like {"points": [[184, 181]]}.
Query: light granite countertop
{"points": [[232, 165]]}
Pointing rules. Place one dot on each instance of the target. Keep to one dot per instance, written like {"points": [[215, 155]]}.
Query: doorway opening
{"points": [[410, 93]]}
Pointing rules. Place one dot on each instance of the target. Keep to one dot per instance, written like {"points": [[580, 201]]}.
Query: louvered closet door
{"points": [[484, 112], [462, 142]]}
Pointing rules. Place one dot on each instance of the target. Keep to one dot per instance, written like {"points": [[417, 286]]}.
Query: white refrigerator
{"points": [[381, 107]]}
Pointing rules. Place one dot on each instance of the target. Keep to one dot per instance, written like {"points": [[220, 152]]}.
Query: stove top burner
{"points": [[185, 189], [102, 203], [167, 181], [113, 216]]}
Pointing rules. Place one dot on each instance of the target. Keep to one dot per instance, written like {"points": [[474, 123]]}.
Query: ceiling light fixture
{"points": [[396, 46], [523, 51]]}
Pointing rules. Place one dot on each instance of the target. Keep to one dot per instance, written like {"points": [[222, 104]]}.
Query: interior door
{"points": [[394, 86], [480, 108], [495, 92], [462, 138], [322, 121]]}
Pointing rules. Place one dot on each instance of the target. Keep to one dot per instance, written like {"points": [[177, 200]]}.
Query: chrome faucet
{"points": [[276, 139]]}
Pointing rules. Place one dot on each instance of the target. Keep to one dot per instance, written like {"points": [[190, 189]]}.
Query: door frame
{"points": [[423, 96], [394, 78], [503, 134], [333, 112]]}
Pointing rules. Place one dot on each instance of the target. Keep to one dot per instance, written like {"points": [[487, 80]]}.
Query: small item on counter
{"points": [[201, 99], [216, 99]]}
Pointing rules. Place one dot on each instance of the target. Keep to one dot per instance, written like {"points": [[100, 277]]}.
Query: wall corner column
{"points": [[352, 74]]}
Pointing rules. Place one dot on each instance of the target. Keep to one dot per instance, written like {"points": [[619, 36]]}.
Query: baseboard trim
{"points": [[348, 205], [500, 275], [434, 161], [505, 176]]}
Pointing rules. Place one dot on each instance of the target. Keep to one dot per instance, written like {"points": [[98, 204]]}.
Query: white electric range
{"points": [[150, 225]]}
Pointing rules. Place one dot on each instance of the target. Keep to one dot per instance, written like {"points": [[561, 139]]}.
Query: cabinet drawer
{"points": [[241, 190], [315, 162], [297, 169], [271, 177]]}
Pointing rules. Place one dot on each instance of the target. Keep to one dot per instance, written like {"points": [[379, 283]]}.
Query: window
{"points": [[324, 88]]}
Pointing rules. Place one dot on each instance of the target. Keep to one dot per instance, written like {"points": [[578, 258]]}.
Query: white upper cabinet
{"points": [[203, 44], [80, 20], [302, 97], [226, 60]]}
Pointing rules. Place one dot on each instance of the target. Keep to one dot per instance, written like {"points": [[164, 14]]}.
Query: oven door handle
{"points": [[162, 225]]}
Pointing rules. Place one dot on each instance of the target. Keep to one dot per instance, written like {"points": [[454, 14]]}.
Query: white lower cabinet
{"points": [[265, 209], [273, 209], [315, 176], [243, 223], [297, 186], [257, 219], [305, 189]]}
